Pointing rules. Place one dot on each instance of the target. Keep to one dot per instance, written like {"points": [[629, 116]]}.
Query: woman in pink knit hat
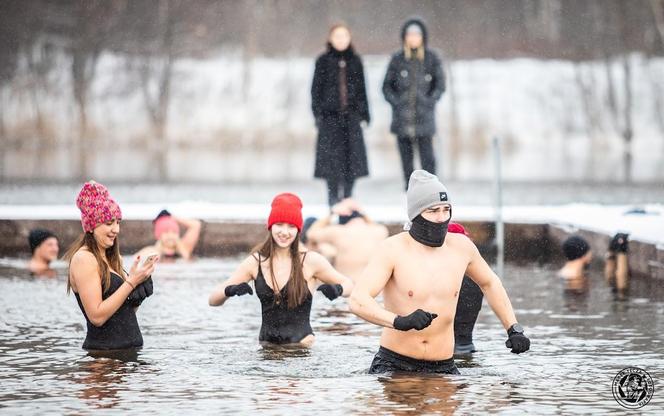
{"points": [[106, 294], [285, 277], [170, 243]]}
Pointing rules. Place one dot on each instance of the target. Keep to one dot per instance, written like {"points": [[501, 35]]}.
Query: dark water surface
{"points": [[208, 360]]}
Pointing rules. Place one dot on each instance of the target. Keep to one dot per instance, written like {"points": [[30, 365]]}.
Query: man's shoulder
{"points": [[460, 241], [395, 241]]}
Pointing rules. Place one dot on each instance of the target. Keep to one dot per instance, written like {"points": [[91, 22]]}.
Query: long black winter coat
{"points": [[414, 115], [340, 151]]}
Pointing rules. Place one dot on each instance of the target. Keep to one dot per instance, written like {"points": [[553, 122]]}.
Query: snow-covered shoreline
{"points": [[646, 227]]}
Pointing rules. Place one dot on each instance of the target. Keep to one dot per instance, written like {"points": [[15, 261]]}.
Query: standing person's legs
{"points": [[349, 183], [406, 152], [333, 185], [426, 154]]}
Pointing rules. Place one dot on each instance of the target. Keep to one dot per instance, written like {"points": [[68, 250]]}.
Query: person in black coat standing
{"points": [[339, 103], [413, 85]]}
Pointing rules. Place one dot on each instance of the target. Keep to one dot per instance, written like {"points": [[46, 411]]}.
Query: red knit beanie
{"points": [[286, 208]]}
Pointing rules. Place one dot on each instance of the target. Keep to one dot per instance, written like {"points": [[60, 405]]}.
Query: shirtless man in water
{"points": [[420, 274], [353, 239]]}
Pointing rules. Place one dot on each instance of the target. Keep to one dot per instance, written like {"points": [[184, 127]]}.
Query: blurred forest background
{"points": [[214, 91]]}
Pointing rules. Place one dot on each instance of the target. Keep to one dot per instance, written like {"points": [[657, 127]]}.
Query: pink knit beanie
{"points": [[96, 205]]}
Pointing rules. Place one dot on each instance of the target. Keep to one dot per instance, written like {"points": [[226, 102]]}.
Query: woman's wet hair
{"points": [[297, 285], [113, 258]]}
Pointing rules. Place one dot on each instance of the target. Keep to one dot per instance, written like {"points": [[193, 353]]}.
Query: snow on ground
{"points": [[646, 227]]}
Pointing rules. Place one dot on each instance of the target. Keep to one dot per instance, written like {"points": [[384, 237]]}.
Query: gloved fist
{"points": [[516, 340], [331, 291], [619, 243], [417, 320], [142, 291], [238, 290]]}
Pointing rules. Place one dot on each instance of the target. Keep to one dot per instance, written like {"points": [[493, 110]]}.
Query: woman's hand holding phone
{"points": [[142, 269]]}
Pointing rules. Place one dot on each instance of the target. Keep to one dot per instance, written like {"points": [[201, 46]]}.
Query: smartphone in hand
{"points": [[146, 259]]}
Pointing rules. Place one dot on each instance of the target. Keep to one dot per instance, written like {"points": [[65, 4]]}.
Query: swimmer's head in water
{"points": [[43, 245], [37, 237], [166, 229], [575, 247], [345, 219], [96, 206], [424, 191], [286, 208]]}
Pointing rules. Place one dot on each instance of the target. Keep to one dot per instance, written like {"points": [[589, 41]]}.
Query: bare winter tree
{"points": [[93, 23], [156, 74]]}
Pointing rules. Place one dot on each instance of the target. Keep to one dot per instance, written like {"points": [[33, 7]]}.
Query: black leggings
{"points": [[427, 158], [468, 308], [338, 189]]}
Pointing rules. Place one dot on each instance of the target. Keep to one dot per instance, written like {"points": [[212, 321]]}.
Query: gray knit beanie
{"points": [[424, 191]]}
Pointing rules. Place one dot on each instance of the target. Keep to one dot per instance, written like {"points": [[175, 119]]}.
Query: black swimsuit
{"points": [[282, 325], [121, 331]]}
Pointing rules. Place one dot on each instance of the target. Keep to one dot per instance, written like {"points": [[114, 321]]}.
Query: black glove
{"points": [[238, 290], [619, 243], [517, 341], [416, 320], [331, 291], [142, 291]]}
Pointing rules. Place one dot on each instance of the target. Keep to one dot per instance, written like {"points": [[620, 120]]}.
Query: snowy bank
{"points": [[645, 227]]}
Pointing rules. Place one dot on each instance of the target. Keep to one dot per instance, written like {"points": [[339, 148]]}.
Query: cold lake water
{"points": [[199, 359]]}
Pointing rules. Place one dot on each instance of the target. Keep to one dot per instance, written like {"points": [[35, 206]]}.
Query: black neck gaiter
{"points": [[429, 233]]}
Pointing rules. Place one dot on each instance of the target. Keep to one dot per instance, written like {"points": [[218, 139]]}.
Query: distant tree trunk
{"points": [[87, 39], [657, 7], [3, 140], [455, 131], [158, 107], [627, 132], [34, 89], [84, 63], [585, 81]]}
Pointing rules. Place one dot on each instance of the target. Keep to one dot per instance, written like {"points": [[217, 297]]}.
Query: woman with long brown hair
{"points": [[106, 294], [284, 276]]}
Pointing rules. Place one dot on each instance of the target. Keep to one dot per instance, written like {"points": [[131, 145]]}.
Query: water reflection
{"points": [[103, 376], [272, 352], [408, 394]]}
